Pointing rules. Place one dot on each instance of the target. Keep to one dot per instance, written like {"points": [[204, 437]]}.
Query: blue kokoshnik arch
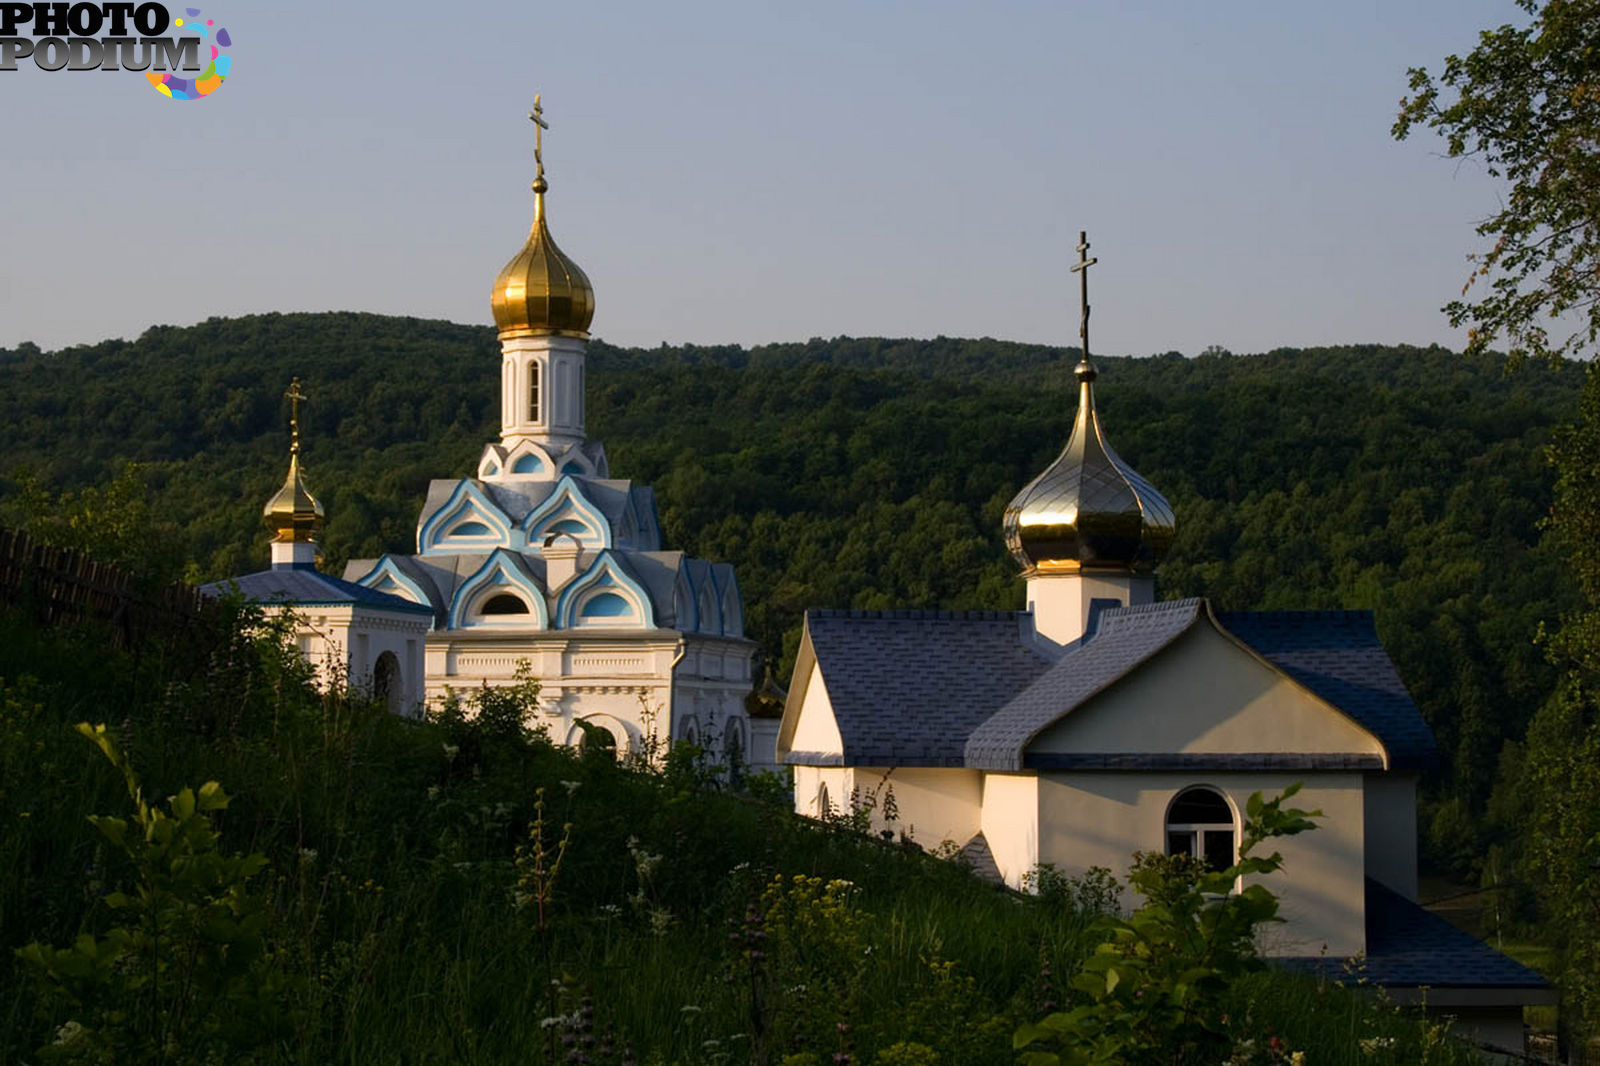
{"points": [[450, 529], [502, 573], [605, 581]]}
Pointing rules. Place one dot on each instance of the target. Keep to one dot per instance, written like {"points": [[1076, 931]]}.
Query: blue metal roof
{"points": [[908, 686], [305, 587], [1411, 947], [1337, 655]]}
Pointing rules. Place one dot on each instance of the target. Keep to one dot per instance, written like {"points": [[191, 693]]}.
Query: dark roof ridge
{"points": [[1308, 615]]}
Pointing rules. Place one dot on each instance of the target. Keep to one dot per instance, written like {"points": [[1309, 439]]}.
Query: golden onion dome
{"points": [[542, 291], [1088, 510], [292, 512]]}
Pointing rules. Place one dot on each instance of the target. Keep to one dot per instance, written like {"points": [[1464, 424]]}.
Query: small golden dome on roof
{"points": [[1088, 510], [542, 291], [292, 512]]}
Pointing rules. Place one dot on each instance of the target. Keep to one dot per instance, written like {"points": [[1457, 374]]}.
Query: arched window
{"points": [[470, 528], [606, 605], [386, 681], [824, 804], [1200, 822], [504, 603], [534, 411], [527, 464], [572, 526]]}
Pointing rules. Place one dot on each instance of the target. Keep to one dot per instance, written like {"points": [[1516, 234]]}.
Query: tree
{"points": [[1526, 102]]}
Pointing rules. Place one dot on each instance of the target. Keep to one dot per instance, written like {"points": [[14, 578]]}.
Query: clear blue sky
{"points": [[751, 172]]}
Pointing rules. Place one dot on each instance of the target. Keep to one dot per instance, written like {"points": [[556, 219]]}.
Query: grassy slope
{"points": [[391, 875]]}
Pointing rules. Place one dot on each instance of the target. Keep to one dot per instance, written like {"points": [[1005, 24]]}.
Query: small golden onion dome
{"points": [[292, 512], [1089, 510], [542, 291]]}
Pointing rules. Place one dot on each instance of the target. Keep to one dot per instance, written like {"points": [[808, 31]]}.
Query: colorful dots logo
{"points": [[216, 71]]}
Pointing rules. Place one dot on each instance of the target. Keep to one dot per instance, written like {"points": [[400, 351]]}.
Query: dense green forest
{"points": [[872, 473]]}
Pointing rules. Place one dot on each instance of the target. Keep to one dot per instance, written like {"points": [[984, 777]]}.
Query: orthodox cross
{"points": [[294, 396], [536, 116], [1081, 268]]}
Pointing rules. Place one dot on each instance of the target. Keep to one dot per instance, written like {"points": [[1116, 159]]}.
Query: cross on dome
{"points": [[294, 396], [1081, 268], [536, 116]]}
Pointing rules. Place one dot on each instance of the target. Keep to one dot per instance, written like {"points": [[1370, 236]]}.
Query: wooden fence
{"points": [[62, 586]]}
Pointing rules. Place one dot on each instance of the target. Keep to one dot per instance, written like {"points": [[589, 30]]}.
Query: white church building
{"points": [[542, 558], [355, 636], [1099, 722]]}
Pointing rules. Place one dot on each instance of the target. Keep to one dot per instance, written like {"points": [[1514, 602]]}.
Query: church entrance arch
{"points": [[386, 682]]}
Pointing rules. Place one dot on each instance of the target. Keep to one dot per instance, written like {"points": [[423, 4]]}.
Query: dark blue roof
{"points": [[1337, 655], [970, 688], [908, 686], [306, 587], [1411, 947]]}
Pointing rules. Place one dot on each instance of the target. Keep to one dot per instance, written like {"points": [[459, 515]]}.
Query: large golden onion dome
{"points": [[292, 512], [1089, 510], [542, 291]]}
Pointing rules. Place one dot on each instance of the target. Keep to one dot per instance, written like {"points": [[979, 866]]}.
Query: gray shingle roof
{"points": [[908, 686], [309, 588], [1410, 947], [1337, 655], [931, 688], [1125, 638]]}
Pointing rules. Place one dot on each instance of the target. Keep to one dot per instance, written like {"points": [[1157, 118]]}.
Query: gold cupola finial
{"points": [[292, 513], [541, 292], [1088, 510]]}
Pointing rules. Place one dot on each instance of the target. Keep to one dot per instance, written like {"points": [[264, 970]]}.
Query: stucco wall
{"points": [[808, 781], [1011, 823], [1099, 819], [1205, 694], [343, 645], [1391, 831], [934, 804], [815, 730]]}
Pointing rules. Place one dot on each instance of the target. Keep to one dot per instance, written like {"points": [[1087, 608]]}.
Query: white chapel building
{"points": [[355, 636], [1100, 721]]}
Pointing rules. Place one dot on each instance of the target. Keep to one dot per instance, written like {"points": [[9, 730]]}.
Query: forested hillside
{"points": [[872, 473]]}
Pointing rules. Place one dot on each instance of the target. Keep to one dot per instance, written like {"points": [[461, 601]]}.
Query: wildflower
{"points": [[69, 1035], [451, 751], [433, 792], [571, 786], [689, 1009], [308, 857]]}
